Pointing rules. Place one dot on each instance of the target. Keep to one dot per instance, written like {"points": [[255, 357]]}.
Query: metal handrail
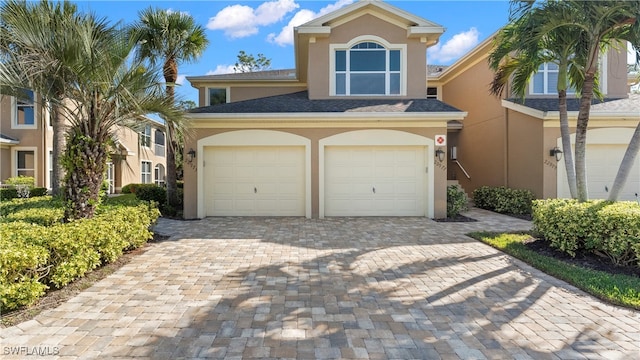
{"points": [[462, 168]]}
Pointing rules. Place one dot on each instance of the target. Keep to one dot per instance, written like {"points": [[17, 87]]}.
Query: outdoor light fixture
{"points": [[191, 155], [440, 155], [556, 152]]}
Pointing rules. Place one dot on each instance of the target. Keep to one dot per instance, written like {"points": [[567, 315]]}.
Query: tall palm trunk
{"points": [[170, 72], [565, 135], [85, 162], [581, 135], [625, 167], [58, 124]]}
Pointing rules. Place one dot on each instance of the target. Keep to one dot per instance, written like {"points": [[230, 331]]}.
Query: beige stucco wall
{"points": [[617, 73], [525, 153], [314, 134], [319, 54], [29, 138], [128, 168], [481, 144]]}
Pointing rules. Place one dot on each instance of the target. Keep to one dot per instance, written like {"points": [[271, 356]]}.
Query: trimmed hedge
{"points": [[457, 201], [38, 251], [152, 192], [605, 228], [504, 200], [13, 193]]}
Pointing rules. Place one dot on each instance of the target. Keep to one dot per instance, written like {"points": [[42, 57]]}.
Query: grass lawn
{"points": [[619, 289]]}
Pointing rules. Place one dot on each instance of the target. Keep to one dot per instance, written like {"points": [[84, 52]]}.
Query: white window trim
{"points": [[368, 38], [150, 172], [49, 167], [14, 114], [207, 97], [142, 134], [603, 69], [14, 160]]}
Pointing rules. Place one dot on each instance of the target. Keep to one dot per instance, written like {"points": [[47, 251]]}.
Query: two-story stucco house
{"points": [[26, 147], [354, 131], [506, 141]]}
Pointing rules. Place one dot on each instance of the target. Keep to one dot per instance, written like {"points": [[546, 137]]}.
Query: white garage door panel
{"points": [[603, 162], [375, 181], [254, 181]]}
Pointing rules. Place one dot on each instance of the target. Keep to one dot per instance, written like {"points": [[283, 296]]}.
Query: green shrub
{"points": [[130, 188], [8, 193], [504, 200], [38, 191], [457, 201], [605, 228], [28, 181], [152, 192], [38, 251]]}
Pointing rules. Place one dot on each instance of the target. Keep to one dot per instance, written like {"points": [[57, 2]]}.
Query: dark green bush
{"points": [[129, 189], [605, 228], [152, 192], [38, 251], [8, 193], [457, 201], [503, 200], [38, 191]]}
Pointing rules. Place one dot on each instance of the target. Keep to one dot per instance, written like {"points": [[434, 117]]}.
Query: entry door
{"points": [[254, 181], [375, 181]]}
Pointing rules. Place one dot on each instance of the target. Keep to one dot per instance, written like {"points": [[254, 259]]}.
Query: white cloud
{"points": [[285, 37], [181, 79], [221, 69], [239, 21], [455, 47]]}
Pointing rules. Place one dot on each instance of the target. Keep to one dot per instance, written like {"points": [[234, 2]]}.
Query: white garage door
{"points": [[603, 162], [254, 181], [375, 181]]}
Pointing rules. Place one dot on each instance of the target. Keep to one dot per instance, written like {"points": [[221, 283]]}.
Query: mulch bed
{"points": [[583, 258], [458, 218]]}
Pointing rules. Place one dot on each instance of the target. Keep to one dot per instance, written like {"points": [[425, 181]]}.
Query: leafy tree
{"points": [[169, 38], [249, 63], [38, 45]]}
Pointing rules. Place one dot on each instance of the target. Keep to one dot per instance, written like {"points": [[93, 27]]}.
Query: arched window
{"points": [[367, 68]]}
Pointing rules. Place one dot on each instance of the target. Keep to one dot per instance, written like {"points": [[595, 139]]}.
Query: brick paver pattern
{"points": [[365, 288]]}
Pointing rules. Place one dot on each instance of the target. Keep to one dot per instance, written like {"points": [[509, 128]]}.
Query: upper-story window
{"points": [[24, 111], [368, 68], [145, 136], [216, 96], [545, 81]]}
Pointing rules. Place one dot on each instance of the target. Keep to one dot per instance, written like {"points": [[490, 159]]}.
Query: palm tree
{"points": [[594, 25], [171, 38], [517, 56], [37, 45], [111, 90]]}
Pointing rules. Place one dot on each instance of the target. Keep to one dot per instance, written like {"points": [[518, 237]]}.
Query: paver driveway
{"points": [[372, 288]]}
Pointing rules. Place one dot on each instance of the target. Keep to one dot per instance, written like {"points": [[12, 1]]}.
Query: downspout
{"points": [[506, 138]]}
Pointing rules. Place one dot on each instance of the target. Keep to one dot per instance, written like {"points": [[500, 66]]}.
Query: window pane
{"points": [[552, 83], [341, 84], [367, 84], [26, 159], [217, 96], [341, 60], [394, 85], [394, 60], [368, 60], [538, 83], [159, 137], [25, 115], [552, 66]]}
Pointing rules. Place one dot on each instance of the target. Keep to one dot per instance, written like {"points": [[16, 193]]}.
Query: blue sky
{"points": [[265, 26]]}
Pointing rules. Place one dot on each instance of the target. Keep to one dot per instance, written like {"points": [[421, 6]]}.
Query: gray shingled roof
{"points": [[5, 138], [283, 74], [551, 104], [299, 103]]}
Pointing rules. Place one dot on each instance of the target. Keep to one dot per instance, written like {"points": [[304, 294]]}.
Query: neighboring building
{"points": [[354, 131], [26, 147], [505, 141]]}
